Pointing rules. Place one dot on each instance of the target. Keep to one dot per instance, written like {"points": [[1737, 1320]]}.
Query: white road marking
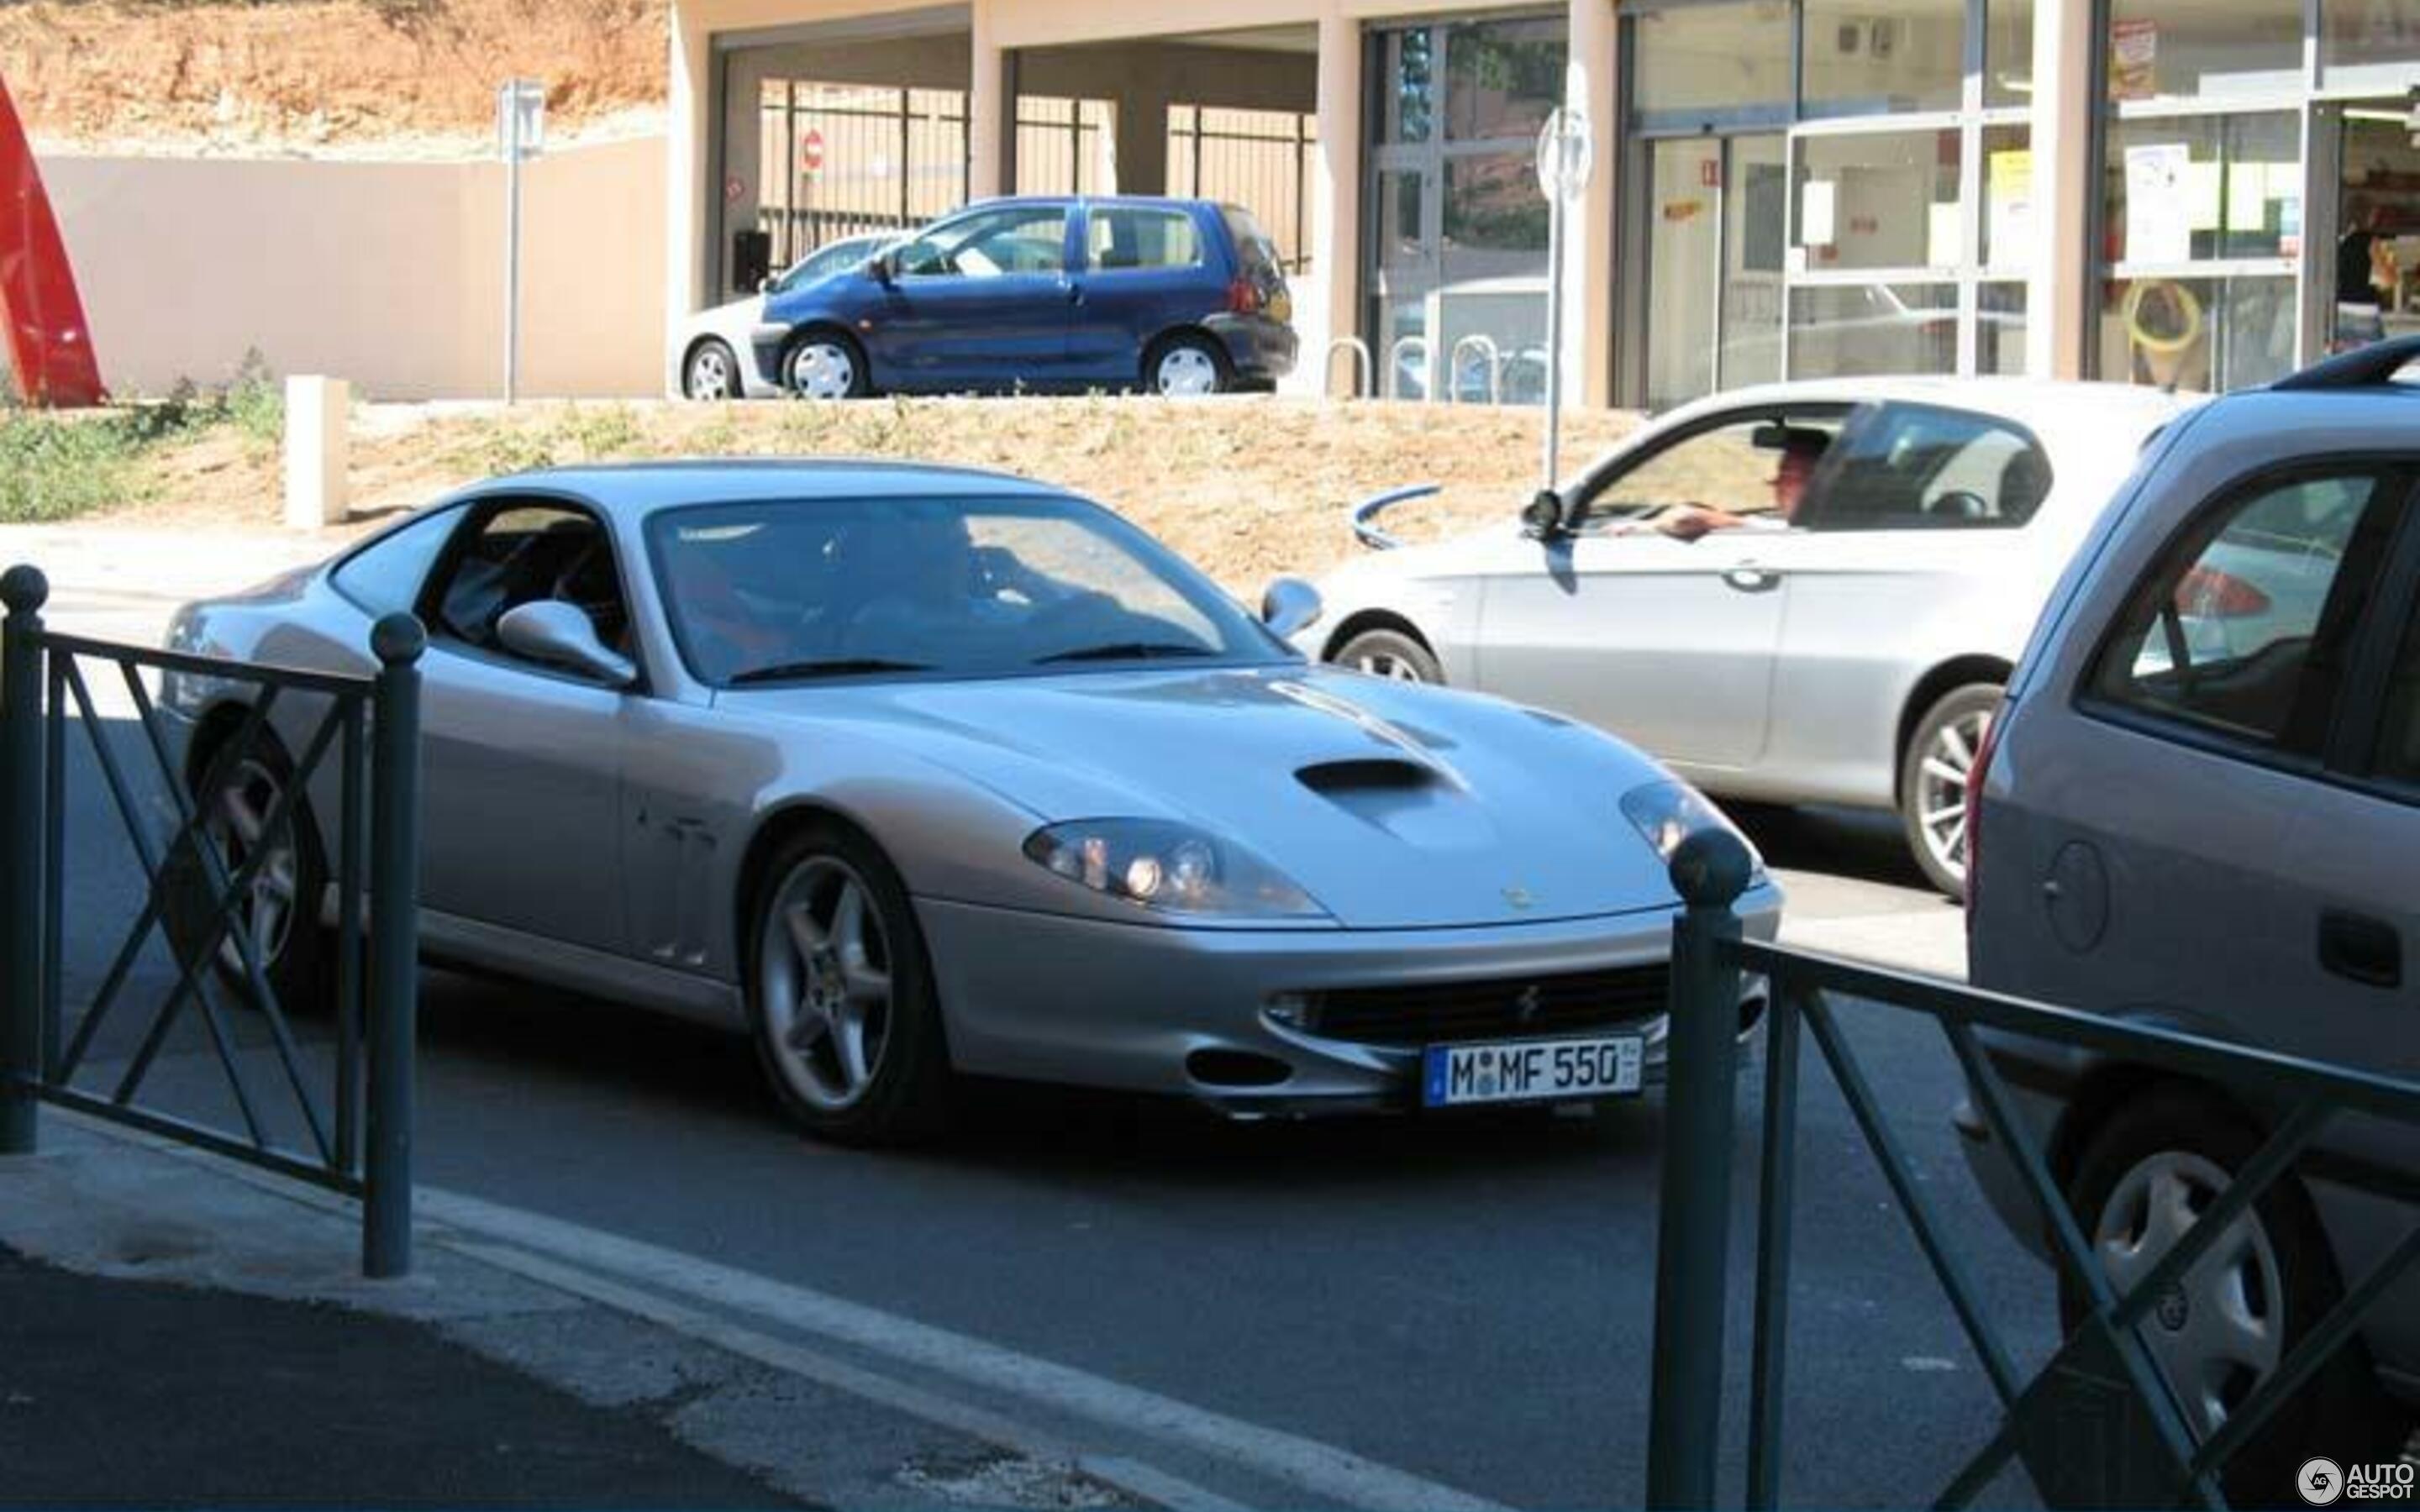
{"points": [[1334, 1476]]}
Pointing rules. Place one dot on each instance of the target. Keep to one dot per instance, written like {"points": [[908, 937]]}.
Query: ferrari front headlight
{"points": [[1169, 867], [1666, 813]]}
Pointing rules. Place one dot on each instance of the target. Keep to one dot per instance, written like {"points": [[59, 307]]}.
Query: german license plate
{"points": [[1532, 1070]]}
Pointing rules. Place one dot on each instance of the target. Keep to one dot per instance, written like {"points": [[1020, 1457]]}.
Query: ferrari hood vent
{"points": [[1335, 779]]}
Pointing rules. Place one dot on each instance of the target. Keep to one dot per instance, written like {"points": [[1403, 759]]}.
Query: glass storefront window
{"points": [[1864, 59], [2369, 44], [2196, 187], [1503, 78], [1708, 61], [2199, 333], [1879, 199], [2000, 330], [1854, 330], [2008, 214], [1494, 218], [2008, 53], [1406, 79], [2199, 49]]}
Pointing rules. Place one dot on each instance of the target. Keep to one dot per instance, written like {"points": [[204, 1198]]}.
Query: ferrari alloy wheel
{"points": [[842, 997], [277, 912]]}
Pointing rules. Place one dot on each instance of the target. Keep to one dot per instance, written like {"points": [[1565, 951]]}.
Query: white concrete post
{"points": [[989, 111], [1336, 206], [316, 451], [1588, 253], [2065, 180]]}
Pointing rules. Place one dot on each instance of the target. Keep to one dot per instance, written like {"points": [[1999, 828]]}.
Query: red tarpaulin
{"points": [[49, 343]]}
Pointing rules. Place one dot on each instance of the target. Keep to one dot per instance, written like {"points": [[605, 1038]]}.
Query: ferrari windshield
{"points": [[801, 590]]}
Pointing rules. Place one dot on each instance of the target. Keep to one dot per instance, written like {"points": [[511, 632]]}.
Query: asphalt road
{"points": [[1469, 1299]]}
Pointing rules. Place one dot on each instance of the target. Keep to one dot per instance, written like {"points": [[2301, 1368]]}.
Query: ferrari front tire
{"points": [[841, 999]]}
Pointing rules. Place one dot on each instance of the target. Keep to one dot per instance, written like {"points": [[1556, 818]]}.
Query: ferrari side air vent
{"points": [[1332, 778]]}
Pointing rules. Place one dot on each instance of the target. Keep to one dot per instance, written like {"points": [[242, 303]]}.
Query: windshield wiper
{"points": [[1129, 650], [787, 672]]}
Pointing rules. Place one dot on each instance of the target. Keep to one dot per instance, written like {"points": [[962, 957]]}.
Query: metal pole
{"points": [[512, 239], [1710, 870], [24, 590], [1554, 334], [394, 942]]}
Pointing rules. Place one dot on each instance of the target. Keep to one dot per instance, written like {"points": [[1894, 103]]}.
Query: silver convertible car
{"points": [[917, 773]]}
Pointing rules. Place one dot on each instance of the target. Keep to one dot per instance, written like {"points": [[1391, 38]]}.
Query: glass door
{"points": [[1715, 231]]}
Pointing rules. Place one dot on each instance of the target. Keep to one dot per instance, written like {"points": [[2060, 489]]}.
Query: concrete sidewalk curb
{"points": [[107, 1201]]}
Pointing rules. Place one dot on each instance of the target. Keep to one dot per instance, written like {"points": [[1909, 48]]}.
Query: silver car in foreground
{"points": [[916, 772], [1881, 549], [2200, 811]]}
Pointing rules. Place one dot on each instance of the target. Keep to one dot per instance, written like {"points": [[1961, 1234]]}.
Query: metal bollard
{"points": [[394, 943], [1710, 870], [24, 590]]}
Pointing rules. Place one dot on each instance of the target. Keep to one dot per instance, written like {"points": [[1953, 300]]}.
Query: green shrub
{"points": [[55, 466]]}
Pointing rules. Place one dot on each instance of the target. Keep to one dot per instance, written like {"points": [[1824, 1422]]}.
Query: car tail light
{"points": [[1244, 298], [2208, 593], [1977, 776]]}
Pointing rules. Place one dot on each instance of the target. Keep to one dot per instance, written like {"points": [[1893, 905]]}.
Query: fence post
{"points": [[24, 590], [1710, 870], [394, 943]]}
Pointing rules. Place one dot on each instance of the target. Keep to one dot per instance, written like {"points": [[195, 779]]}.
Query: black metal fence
{"points": [[203, 893], [838, 160], [1259, 159], [2102, 1424]]}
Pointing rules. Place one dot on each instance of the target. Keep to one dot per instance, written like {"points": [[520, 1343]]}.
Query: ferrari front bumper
{"points": [[1203, 1013]]}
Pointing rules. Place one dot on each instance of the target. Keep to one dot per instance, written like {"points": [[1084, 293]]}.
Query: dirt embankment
{"points": [[1245, 488], [322, 75]]}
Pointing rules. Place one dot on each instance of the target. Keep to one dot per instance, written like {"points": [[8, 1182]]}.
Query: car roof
{"points": [[2042, 402], [642, 487]]}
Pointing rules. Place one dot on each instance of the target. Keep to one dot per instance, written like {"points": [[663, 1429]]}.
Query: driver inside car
{"points": [[1801, 451]]}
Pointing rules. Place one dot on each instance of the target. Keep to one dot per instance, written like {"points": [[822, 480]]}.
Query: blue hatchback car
{"points": [[1173, 296]]}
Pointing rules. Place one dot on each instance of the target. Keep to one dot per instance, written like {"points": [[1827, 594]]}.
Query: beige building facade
{"points": [[2162, 190]]}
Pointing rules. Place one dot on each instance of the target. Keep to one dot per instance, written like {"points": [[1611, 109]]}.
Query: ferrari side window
{"points": [[523, 554]]}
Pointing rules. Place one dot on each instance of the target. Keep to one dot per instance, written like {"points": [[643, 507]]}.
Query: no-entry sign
{"points": [[811, 150]]}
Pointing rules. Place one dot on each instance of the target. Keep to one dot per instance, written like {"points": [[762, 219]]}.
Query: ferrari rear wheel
{"points": [[239, 796], [1392, 655], [841, 996]]}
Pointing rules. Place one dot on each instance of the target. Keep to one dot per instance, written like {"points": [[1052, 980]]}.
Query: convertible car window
{"points": [[1735, 467], [807, 589], [522, 554], [1904, 466], [386, 577]]}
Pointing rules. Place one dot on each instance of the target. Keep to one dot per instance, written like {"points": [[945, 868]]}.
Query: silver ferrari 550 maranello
{"points": [[918, 772]]}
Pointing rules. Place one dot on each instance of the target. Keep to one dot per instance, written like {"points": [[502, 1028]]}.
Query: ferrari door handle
{"points": [[1748, 580], [2360, 949]]}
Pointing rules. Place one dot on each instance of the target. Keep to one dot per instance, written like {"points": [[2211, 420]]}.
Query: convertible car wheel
{"points": [[1933, 791], [713, 373], [842, 997], [1390, 653], [278, 910]]}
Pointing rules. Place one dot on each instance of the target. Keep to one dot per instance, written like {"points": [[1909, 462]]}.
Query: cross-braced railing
{"points": [[203, 895], [2102, 1424]]}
